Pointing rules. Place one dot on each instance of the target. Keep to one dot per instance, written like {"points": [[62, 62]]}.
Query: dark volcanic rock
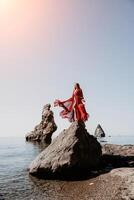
{"points": [[74, 150], [99, 132], [43, 132]]}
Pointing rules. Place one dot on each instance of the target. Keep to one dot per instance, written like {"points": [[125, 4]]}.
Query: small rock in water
{"points": [[99, 132], [43, 132]]}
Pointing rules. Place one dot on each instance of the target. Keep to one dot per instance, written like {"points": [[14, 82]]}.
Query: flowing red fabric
{"points": [[73, 108]]}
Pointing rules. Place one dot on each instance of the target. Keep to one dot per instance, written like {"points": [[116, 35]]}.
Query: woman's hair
{"points": [[77, 85]]}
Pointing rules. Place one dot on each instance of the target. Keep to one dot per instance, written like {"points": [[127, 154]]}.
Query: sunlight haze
{"points": [[47, 45]]}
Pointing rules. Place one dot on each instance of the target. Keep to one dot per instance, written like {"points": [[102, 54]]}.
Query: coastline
{"points": [[109, 183]]}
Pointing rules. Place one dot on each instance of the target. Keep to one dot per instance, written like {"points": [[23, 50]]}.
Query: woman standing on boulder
{"points": [[74, 108]]}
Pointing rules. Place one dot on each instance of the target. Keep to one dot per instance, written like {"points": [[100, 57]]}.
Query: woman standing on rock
{"points": [[74, 108]]}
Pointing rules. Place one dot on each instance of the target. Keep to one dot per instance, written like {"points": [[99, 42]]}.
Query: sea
{"points": [[16, 184]]}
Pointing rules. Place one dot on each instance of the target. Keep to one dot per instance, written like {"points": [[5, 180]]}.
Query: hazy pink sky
{"points": [[47, 45]]}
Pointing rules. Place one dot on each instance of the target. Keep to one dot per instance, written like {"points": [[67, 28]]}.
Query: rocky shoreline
{"points": [[87, 170], [110, 182], [116, 184], [74, 154], [113, 181]]}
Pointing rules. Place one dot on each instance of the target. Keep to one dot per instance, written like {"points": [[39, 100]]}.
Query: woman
{"points": [[73, 108]]}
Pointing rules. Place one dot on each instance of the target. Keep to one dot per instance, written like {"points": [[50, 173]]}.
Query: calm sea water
{"points": [[15, 182]]}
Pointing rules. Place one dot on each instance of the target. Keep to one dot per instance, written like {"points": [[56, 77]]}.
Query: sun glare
{"points": [[3, 2], [4, 5]]}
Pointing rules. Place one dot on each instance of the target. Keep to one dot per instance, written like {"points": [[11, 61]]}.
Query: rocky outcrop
{"points": [[74, 150], [122, 150], [43, 132], [118, 155], [99, 132]]}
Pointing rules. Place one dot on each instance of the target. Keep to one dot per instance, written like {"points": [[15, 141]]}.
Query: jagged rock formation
{"points": [[99, 132], [43, 132], [73, 150]]}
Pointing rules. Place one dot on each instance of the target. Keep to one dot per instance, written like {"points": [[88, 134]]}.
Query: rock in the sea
{"points": [[74, 150], [43, 132], [99, 132]]}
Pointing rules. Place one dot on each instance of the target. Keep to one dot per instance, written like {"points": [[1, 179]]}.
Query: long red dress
{"points": [[73, 108]]}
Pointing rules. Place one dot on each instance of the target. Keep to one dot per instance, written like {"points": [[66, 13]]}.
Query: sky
{"points": [[48, 45]]}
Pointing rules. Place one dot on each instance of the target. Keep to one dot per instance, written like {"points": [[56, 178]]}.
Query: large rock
{"points": [[43, 132], [99, 132], [73, 150]]}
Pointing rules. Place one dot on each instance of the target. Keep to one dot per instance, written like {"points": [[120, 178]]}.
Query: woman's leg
{"points": [[83, 113]]}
